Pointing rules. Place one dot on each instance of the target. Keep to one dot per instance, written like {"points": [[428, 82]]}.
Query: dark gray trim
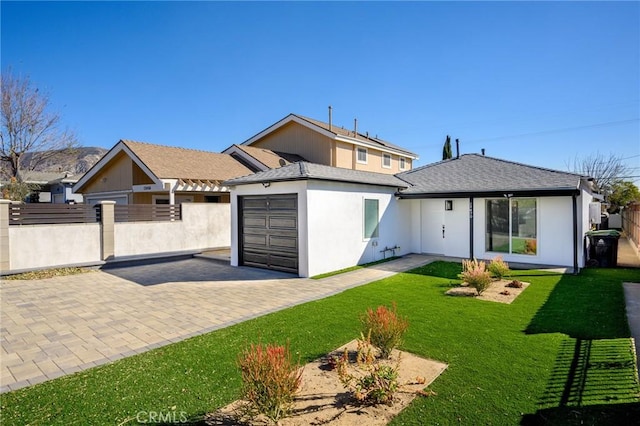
{"points": [[470, 227], [492, 194], [575, 234]]}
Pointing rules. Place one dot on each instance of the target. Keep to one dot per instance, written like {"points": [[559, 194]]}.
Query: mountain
{"points": [[76, 163]]}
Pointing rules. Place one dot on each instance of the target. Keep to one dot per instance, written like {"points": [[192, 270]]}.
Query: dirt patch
{"points": [[322, 400], [498, 291]]}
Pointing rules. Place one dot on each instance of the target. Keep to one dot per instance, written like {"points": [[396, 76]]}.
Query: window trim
{"points": [[385, 155], [366, 155], [402, 163], [376, 233]]}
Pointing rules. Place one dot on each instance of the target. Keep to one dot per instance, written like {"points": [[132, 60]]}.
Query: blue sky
{"points": [[531, 82]]}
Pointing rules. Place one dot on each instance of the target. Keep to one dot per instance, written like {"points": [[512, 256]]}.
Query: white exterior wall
{"points": [[203, 226], [554, 233], [336, 225], [44, 246], [554, 229], [331, 221], [433, 217]]}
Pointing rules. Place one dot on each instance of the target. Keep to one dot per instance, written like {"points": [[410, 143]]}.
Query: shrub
{"points": [[498, 267], [372, 382], [530, 247], [270, 380], [515, 284], [475, 274], [385, 328]]}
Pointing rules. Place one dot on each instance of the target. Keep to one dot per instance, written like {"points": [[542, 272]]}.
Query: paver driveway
{"points": [[63, 325]]}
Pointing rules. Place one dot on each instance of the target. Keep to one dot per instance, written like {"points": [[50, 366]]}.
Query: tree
{"points": [[606, 170], [31, 132], [622, 194], [446, 149]]}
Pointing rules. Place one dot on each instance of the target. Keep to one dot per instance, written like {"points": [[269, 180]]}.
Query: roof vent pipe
{"points": [[355, 127], [457, 148], [482, 151], [330, 118]]}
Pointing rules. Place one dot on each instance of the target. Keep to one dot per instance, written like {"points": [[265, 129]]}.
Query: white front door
{"points": [[445, 231], [432, 212]]}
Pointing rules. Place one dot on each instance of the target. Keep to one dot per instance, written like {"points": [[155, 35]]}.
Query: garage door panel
{"points": [[270, 231], [250, 203], [282, 222], [278, 242], [283, 203], [255, 241], [283, 263]]}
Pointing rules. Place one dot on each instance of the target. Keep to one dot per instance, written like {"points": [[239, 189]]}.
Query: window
{"points": [[403, 163], [448, 205], [370, 219], [212, 199], [362, 155], [512, 226], [386, 161]]}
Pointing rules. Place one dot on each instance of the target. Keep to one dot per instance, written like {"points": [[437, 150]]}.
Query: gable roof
{"points": [[478, 175], [312, 171], [334, 132], [167, 162], [266, 157]]}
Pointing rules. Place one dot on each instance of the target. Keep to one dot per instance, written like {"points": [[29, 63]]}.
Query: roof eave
{"points": [[302, 178], [551, 192]]}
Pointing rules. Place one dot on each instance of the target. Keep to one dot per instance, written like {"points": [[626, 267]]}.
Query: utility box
{"points": [[595, 212]]}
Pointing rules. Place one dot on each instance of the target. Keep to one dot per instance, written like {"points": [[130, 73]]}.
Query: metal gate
{"points": [[269, 231]]}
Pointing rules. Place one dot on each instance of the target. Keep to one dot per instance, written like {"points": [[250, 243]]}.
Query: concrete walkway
{"points": [[632, 300], [63, 325]]}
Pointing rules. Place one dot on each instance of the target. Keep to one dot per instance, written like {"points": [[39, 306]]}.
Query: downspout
{"points": [[575, 234], [471, 228]]}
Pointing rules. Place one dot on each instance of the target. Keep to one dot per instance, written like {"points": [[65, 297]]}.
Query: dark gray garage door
{"points": [[269, 231]]}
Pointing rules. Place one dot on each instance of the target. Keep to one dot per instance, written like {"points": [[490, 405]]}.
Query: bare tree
{"points": [[31, 132], [606, 170]]}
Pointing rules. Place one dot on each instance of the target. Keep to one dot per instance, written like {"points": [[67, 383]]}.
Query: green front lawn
{"points": [[560, 352]]}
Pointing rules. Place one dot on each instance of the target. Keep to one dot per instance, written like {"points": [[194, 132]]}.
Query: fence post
{"points": [[5, 258], [107, 229]]}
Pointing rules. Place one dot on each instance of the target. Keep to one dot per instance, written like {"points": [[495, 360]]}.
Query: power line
{"points": [[566, 129]]}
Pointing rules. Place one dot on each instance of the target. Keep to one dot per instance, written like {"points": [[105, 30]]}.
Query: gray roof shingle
{"points": [[474, 173], [304, 171]]}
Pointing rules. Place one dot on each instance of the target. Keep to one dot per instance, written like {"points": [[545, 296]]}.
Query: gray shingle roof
{"points": [[304, 171], [474, 173]]}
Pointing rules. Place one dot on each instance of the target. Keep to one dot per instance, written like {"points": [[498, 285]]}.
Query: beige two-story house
{"points": [[321, 143]]}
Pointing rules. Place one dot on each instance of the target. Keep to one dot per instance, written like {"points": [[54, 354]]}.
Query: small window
{"points": [[448, 205], [403, 163], [362, 155], [371, 219], [212, 199], [386, 161]]}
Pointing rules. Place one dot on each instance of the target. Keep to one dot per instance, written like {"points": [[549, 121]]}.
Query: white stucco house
{"points": [[310, 219]]}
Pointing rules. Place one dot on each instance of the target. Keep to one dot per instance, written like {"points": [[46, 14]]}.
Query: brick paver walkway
{"points": [[59, 326]]}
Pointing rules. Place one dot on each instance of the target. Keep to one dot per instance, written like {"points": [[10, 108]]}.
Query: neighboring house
{"points": [[324, 143], [62, 190], [310, 219], [51, 187], [142, 173]]}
